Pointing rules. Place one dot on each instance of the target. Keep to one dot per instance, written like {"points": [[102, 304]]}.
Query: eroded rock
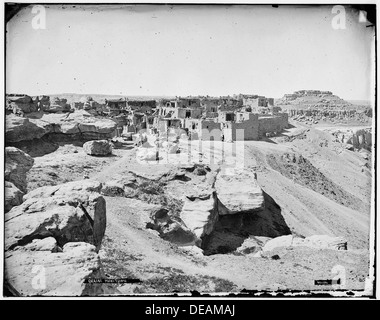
{"points": [[20, 129], [17, 164], [13, 196], [315, 241], [200, 215], [69, 213], [35, 270]]}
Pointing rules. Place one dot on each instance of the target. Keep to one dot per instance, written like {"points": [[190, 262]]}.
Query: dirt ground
{"points": [[317, 186]]}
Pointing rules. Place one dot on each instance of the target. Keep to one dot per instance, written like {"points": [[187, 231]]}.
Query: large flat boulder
{"points": [[20, 129], [17, 164], [238, 191], [57, 120]]}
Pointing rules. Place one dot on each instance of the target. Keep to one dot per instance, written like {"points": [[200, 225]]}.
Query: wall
{"points": [[189, 103], [210, 130], [249, 124], [256, 102], [271, 124], [223, 116]]}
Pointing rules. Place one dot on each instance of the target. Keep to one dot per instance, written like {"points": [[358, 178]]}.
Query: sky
{"points": [[189, 50]]}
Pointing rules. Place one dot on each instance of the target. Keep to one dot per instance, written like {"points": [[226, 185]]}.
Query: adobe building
{"points": [[114, 107], [221, 119], [189, 102], [144, 106]]}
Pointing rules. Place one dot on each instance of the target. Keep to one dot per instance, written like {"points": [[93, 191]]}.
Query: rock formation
{"points": [[41, 269], [20, 104], [70, 212], [57, 231], [204, 204], [17, 164], [56, 105], [78, 125], [199, 215], [13, 196], [22, 129]]}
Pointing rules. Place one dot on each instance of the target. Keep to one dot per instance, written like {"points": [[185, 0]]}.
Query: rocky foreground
{"points": [[78, 211]]}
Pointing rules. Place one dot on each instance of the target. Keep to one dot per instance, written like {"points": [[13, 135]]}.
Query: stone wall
{"points": [[272, 124], [253, 126]]}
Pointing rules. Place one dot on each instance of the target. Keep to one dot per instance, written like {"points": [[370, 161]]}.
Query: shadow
{"points": [[103, 156], [35, 147], [231, 231]]}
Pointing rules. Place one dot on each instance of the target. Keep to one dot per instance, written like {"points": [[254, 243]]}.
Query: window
{"points": [[229, 117]]}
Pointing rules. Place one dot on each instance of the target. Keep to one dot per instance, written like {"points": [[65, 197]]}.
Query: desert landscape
{"points": [[170, 212], [169, 151]]}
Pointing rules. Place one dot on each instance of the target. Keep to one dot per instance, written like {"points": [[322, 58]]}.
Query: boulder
{"points": [[176, 233], [282, 241], [315, 241], [252, 245], [324, 242], [17, 164], [238, 191], [40, 270], [13, 196], [46, 244], [98, 148], [200, 215], [170, 228], [69, 212], [113, 189]]}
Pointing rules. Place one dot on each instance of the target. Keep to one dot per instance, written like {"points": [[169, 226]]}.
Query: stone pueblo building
{"points": [[221, 119]]}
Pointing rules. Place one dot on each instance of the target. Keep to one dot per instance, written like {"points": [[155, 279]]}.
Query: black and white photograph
{"points": [[180, 150]]}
